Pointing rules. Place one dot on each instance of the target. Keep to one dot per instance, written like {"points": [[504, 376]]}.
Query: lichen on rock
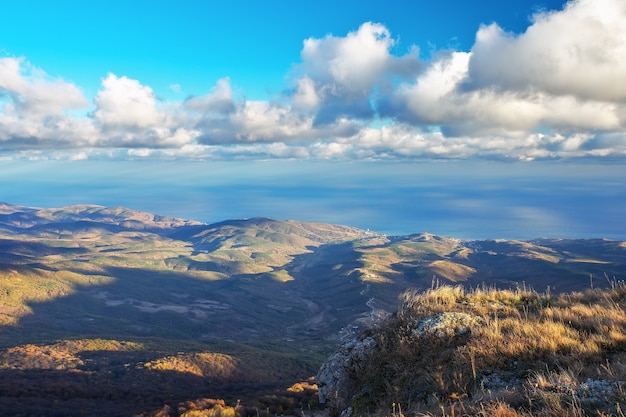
{"points": [[336, 376], [446, 324], [346, 376]]}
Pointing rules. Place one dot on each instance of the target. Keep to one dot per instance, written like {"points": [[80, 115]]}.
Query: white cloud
{"points": [[556, 90], [125, 103], [219, 100], [261, 121], [155, 137], [35, 109], [32, 94], [142, 152], [342, 72], [438, 98], [130, 116], [564, 74], [253, 121], [349, 65], [579, 51], [81, 156], [306, 97]]}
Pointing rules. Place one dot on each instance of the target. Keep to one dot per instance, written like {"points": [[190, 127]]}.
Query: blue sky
{"points": [[326, 96], [195, 43]]}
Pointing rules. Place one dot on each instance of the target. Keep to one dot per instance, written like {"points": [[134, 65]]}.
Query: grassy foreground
{"points": [[531, 354]]}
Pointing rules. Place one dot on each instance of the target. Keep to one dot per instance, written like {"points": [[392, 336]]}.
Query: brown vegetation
{"points": [[533, 354], [108, 309]]}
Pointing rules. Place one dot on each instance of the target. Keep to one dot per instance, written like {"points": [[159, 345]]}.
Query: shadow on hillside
{"points": [[139, 302], [117, 390], [325, 295], [20, 252], [80, 393], [175, 307], [328, 277], [183, 310], [503, 271]]}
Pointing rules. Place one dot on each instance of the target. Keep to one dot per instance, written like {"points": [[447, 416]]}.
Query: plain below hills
{"points": [[161, 292], [98, 269]]}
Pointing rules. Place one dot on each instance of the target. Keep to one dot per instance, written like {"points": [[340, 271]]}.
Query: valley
{"points": [[149, 311]]}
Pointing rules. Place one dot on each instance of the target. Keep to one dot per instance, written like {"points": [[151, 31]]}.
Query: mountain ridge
{"points": [[10, 215], [170, 295]]}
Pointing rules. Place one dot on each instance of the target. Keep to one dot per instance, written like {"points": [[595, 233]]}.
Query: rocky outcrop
{"points": [[335, 378], [446, 324], [339, 375]]}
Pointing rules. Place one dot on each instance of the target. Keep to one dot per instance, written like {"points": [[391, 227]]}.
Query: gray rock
{"points": [[601, 390], [446, 324], [335, 378]]}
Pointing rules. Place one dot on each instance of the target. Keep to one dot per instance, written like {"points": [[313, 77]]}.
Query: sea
{"points": [[466, 199]]}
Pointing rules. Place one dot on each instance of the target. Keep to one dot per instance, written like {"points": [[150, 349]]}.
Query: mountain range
{"points": [[242, 288]]}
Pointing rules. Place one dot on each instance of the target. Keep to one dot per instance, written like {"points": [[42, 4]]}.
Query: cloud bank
{"points": [[557, 90]]}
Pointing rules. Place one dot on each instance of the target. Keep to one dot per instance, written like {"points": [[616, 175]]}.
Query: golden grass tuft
{"points": [[207, 408], [530, 356]]}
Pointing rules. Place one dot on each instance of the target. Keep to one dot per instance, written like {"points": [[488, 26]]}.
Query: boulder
{"points": [[446, 324], [335, 378], [339, 376]]}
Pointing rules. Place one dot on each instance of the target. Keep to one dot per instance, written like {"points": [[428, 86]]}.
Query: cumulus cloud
{"points": [[262, 121], [219, 100], [125, 103], [34, 107], [128, 115], [253, 121], [564, 74], [32, 94], [579, 51], [439, 98], [351, 64], [306, 97], [341, 73], [556, 90]]}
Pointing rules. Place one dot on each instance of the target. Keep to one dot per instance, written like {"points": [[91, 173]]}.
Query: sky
{"points": [[469, 119]]}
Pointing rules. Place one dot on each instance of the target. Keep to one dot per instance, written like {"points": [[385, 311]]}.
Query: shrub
{"points": [[526, 354]]}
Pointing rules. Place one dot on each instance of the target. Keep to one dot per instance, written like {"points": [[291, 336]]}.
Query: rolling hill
{"points": [[162, 296]]}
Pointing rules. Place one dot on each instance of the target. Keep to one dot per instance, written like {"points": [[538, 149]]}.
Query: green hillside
{"points": [[163, 297]]}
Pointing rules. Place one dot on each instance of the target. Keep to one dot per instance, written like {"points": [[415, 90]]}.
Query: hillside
{"points": [[90, 293], [448, 351]]}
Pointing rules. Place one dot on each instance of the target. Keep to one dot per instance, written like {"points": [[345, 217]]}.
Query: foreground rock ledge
{"points": [[336, 377]]}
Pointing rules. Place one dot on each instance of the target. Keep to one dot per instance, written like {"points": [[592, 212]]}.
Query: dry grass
{"points": [[451, 271], [208, 365], [207, 408], [533, 355]]}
